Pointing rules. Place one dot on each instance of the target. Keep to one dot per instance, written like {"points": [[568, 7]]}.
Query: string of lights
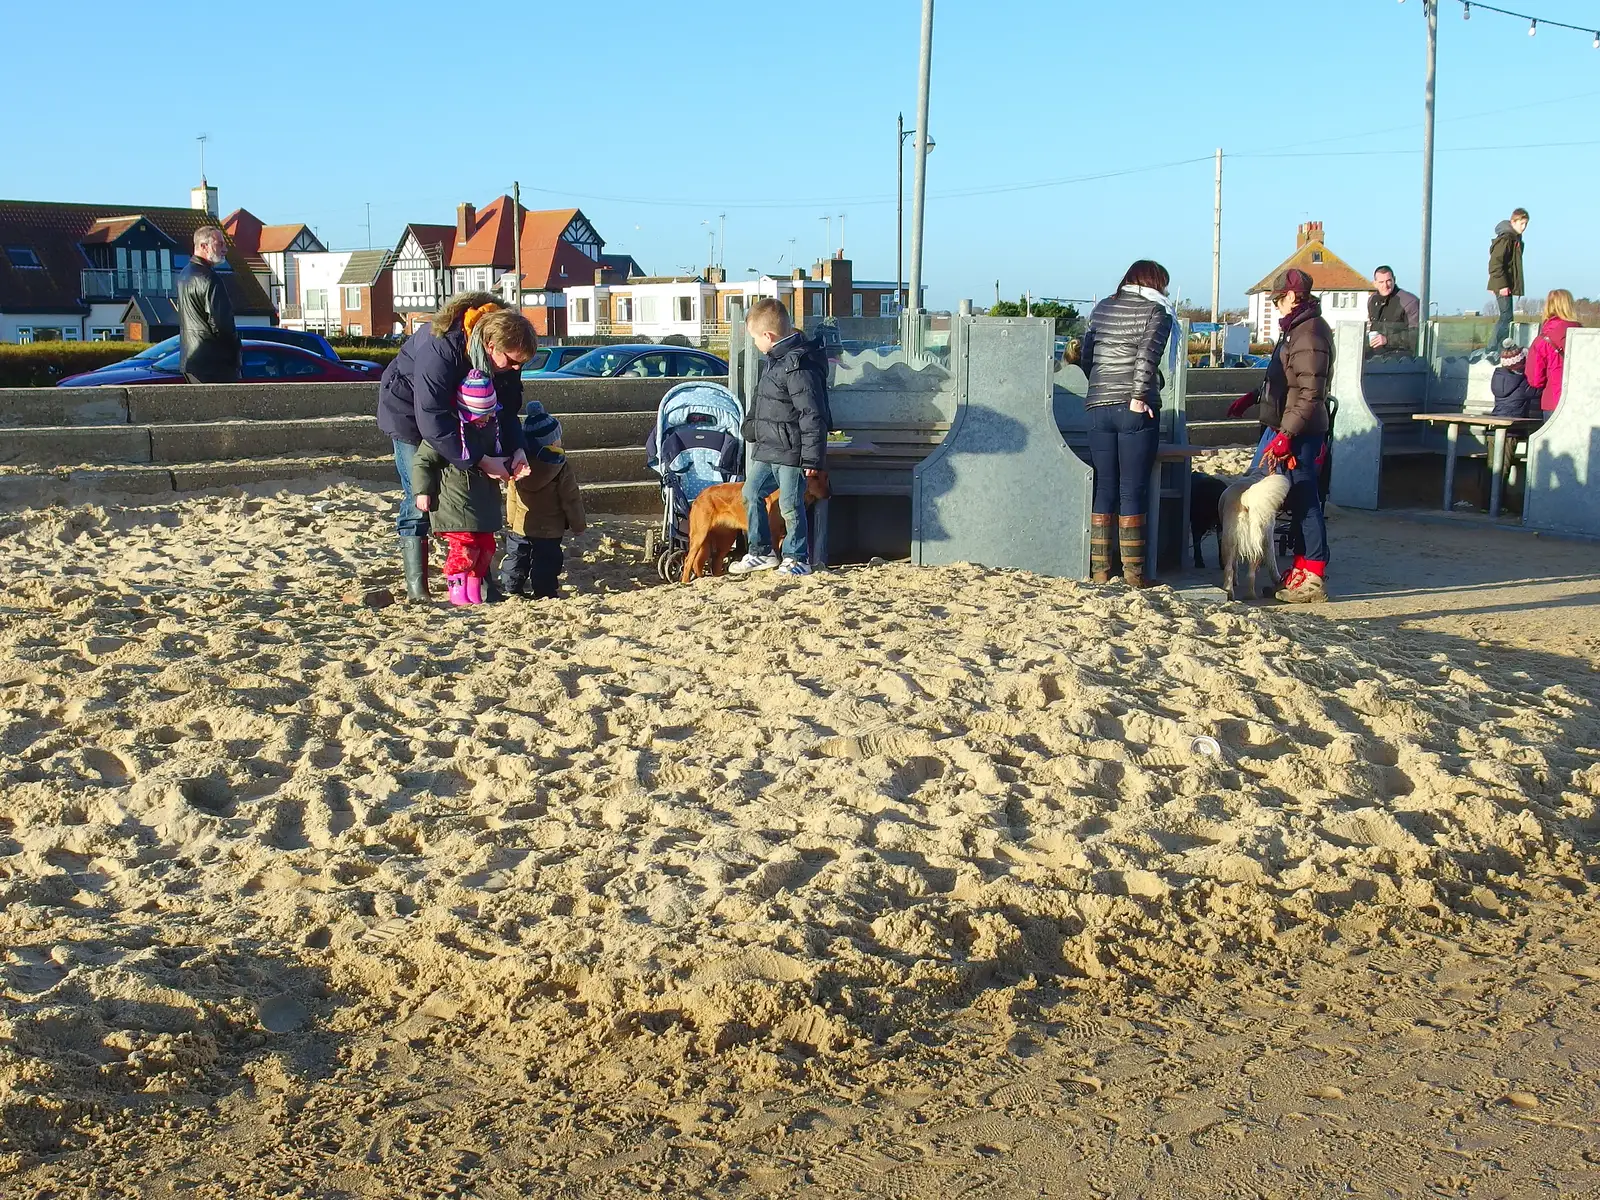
{"points": [[1534, 22]]}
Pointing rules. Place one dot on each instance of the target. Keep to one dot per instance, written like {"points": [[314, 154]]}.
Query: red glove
{"points": [[1239, 406], [1278, 447]]}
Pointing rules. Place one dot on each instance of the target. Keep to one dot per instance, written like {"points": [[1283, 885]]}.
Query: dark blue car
{"points": [[647, 361]]}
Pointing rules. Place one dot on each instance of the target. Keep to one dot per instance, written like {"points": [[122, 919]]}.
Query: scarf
{"points": [[477, 353], [1165, 301]]}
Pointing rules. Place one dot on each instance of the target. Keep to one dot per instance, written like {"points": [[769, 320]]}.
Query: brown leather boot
{"points": [[1100, 548], [1130, 535]]}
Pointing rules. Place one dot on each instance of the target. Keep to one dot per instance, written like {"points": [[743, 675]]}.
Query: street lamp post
{"points": [[1431, 11], [921, 182], [900, 207]]}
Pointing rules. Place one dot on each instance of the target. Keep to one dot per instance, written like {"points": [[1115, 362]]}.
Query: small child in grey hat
{"points": [[1514, 396], [541, 507]]}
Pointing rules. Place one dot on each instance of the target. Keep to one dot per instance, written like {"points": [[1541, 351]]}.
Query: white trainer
{"points": [[793, 566], [753, 562]]}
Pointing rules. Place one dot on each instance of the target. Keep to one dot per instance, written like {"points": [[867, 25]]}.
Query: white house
{"points": [[1342, 289], [317, 304]]}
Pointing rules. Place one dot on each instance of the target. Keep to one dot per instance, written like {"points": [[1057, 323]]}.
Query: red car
{"points": [[262, 362]]}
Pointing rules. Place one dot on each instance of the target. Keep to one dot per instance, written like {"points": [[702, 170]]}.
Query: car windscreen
{"points": [[167, 362], [537, 362], [155, 351], [603, 361]]}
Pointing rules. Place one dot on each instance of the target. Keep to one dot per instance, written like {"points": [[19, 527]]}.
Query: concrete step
{"points": [[1216, 380], [1210, 408], [214, 441], [1245, 432], [605, 487], [188, 404]]}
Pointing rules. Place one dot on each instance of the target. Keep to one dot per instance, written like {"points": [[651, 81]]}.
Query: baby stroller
{"points": [[696, 442]]}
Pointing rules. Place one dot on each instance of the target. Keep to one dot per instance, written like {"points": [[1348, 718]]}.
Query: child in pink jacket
{"points": [[1547, 355]]}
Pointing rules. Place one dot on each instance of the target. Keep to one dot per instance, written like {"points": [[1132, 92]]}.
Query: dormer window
{"points": [[1316, 256], [24, 258]]}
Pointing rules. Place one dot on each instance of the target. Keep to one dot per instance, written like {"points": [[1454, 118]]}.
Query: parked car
{"points": [[552, 358], [260, 361], [646, 362], [313, 343]]}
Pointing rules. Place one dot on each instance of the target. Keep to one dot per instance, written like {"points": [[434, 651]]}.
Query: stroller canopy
{"points": [[697, 440]]}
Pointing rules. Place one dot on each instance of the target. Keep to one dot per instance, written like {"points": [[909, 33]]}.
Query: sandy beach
{"points": [[890, 881]]}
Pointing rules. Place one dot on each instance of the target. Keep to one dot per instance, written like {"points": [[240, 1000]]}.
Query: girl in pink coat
{"points": [[1547, 355]]}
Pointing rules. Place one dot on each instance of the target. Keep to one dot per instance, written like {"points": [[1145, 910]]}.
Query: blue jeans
{"points": [[1305, 499], [1122, 449], [790, 483], [410, 522], [1502, 327]]}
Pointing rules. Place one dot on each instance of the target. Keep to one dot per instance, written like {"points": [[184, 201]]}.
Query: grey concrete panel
{"points": [[621, 498], [606, 431], [286, 470], [194, 403], [63, 406], [214, 441], [562, 396], [1357, 431], [65, 445], [1563, 488], [625, 465], [1004, 490]]}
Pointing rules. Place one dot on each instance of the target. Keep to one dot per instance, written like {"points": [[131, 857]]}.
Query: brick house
{"points": [[559, 247], [274, 251], [366, 294], [105, 272]]}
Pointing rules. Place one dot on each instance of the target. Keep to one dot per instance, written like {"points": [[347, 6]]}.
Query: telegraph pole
{"points": [[516, 240], [900, 212], [920, 184], [1216, 264], [1431, 11]]}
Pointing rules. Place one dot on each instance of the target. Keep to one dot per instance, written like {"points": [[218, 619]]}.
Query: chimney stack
{"points": [[204, 199], [466, 222], [1310, 231], [715, 274]]}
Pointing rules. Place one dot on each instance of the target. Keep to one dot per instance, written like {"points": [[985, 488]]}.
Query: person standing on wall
{"points": [[208, 341], [1121, 355], [1505, 274]]}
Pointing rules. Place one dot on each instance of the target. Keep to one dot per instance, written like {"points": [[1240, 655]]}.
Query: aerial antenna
{"points": [[202, 140]]}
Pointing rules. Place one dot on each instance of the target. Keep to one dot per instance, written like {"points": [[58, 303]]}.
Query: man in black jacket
{"points": [[208, 342], [786, 437], [1392, 316]]}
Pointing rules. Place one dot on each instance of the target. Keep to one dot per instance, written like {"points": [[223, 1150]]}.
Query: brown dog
{"points": [[717, 518]]}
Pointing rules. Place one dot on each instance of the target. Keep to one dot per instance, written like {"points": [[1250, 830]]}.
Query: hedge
{"points": [[43, 364], [382, 355]]}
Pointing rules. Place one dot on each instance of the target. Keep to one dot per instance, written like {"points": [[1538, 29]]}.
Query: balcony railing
{"points": [[107, 284]]}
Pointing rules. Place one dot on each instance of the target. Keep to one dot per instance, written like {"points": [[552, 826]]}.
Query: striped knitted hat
{"points": [[477, 395], [543, 432]]}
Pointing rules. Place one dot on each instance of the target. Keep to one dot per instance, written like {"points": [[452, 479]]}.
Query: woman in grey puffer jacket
{"points": [[1121, 354]]}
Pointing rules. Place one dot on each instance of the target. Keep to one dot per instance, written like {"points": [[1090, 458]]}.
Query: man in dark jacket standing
{"points": [[786, 437], [208, 342], [1392, 316], [1505, 273]]}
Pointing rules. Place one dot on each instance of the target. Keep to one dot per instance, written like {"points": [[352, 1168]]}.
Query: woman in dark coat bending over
{"points": [[418, 397], [1121, 355]]}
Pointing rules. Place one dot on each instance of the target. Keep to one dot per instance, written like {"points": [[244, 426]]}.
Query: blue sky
{"points": [[656, 117]]}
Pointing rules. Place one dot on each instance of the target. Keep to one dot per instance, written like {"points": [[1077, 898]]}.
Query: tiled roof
{"points": [[1332, 274], [276, 238], [55, 231], [364, 267], [110, 229], [439, 240]]}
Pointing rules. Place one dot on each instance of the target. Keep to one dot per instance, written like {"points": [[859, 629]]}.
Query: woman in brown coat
{"points": [[1294, 406]]}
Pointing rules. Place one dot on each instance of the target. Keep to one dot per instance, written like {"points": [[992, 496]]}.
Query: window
{"points": [[40, 333], [356, 331], [624, 309], [858, 305], [23, 256], [733, 308], [693, 366], [352, 297], [814, 303], [1316, 256], [259, 364], [650, 366], [69, 334], [113, 334], [293, 366], [685, 308], [580, 310], [647, 310], [316, 300]]}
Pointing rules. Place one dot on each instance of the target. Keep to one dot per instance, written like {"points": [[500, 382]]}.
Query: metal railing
{"points": [[104, 283]]}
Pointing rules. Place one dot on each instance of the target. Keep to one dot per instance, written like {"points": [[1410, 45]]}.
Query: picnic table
{"points": [[1498, 426]]}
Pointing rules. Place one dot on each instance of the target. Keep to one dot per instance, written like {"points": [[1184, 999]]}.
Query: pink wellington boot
{"points": [[474, 587], [457, 586]]}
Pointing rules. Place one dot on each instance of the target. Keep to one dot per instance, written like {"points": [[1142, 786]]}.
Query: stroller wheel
{"points": [[661, 562], [672, 565]]}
